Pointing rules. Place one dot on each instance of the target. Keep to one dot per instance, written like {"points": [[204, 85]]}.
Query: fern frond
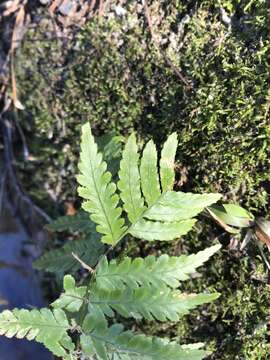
{"points": [[156, 230], [96, 188], [151, 270], [175, 206], [129, 183], [72, 298], [168, 210], [149, 173], [47, 327], [78, 222], [109, 343], [167, 163], [61, 260], [142, 288], [148, 302]]}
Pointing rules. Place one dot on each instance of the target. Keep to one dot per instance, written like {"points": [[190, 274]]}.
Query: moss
{"points": [[115, 78]]}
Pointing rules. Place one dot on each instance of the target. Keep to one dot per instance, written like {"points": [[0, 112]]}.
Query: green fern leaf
{"points": [[129, 183], [99, 192], [62, 260], [47, 327], [151, 303], [175, 206], [78, 222], [149, 173], [167, 163], [150, 230], [126, 345], [72, 298], [151, 270]]}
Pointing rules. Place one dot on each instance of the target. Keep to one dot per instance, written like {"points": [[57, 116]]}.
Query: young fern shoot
{"points": [[142, 205]]}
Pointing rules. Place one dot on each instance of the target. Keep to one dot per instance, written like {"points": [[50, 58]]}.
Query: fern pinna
{"points": [[142, 205]]}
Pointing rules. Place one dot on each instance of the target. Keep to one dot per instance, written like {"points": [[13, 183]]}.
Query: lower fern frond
{"points": [[47, 327], [79, 222], [148, 302], [109, 343], [61, 260]]}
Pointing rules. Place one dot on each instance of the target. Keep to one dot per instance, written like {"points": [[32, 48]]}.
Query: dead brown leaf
{"points": [[262, 231]]}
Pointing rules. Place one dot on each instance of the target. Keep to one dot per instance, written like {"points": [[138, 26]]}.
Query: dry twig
{"points": [[84, 265]]}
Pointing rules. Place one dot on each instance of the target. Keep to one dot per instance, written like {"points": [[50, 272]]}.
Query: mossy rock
{"points": [[114, 76]]}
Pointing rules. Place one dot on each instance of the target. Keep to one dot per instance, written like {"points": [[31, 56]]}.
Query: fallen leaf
{"points": [[262, 231]]}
